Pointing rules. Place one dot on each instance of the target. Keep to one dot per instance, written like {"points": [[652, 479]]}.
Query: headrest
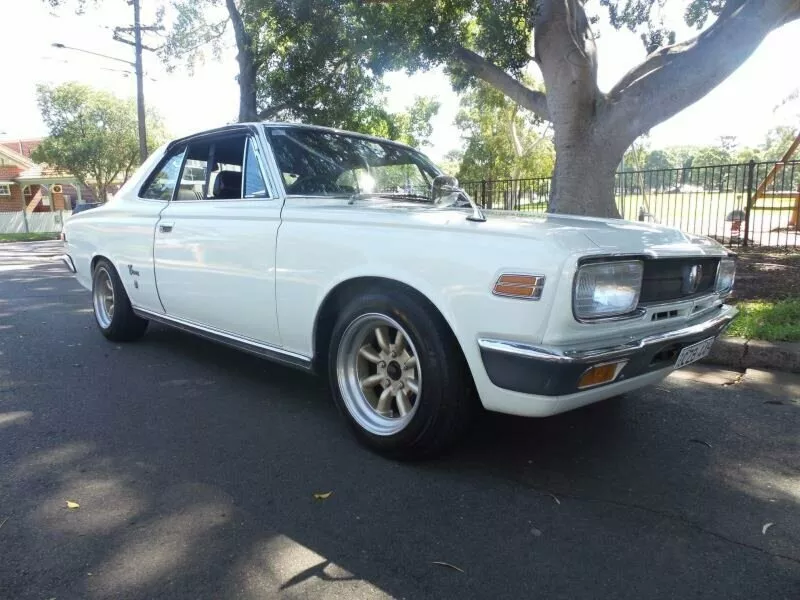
{"points": [[228, 184]]}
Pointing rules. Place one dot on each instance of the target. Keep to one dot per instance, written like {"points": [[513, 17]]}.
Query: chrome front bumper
{"points": [[552, 371]]}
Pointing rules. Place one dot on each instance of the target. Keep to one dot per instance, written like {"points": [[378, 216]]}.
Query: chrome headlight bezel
{"points": [[613, 271], [726, 276]]}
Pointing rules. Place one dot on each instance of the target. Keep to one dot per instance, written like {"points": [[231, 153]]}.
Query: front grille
{"points": [[667, 279]]}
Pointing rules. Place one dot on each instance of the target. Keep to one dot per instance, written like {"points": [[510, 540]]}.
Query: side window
{"points": [[225, 163], [254, 186], [195, 169], [162, 184]]}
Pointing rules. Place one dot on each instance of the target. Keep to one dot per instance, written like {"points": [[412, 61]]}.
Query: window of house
{"points": [[5, 189], [27, 192], [161, 185]]}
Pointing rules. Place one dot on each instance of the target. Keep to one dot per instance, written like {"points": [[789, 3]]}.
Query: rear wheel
{"points": [[112, 308], [398, 375]]}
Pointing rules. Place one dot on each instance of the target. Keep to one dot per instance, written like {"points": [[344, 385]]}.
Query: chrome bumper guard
{"points": [[67, 260]]}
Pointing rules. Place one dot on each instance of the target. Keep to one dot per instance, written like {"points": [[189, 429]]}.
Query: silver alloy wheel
{"points": [[378, 374], [103, 297]]}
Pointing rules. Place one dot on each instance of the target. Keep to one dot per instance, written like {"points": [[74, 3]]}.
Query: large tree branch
{"points": [[675, 77], [478, 66], [271, 111], [566, 52]]}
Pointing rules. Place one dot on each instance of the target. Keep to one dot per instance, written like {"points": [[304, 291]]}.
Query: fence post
{"points": [[483, 194], [751, 167]]}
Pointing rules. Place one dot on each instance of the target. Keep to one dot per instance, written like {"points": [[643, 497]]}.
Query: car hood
{"points": [[620, 236], [582, 234]]}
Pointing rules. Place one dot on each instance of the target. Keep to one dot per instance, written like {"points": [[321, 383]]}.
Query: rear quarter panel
{"points": [[122, 231]]}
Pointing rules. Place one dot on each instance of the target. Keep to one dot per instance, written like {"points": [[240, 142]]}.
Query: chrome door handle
{"points": [[165, 228]]}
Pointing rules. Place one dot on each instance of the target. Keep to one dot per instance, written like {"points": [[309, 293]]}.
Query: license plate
{"points": [[694, 352]]}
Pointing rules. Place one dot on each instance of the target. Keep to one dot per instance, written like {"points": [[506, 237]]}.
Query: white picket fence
{"points": [[36, 222]]}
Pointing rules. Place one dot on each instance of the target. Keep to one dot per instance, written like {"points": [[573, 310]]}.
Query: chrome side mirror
{"points": [[443, 186], [445, 190]]}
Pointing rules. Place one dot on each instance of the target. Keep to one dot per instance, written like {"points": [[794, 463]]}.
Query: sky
{"points": [[743, 106]]}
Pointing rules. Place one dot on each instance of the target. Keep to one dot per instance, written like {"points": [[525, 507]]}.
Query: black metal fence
{"points": [[747, 204]]}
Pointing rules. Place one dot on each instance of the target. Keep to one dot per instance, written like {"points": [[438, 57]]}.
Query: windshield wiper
{"points": [[390, 196]]}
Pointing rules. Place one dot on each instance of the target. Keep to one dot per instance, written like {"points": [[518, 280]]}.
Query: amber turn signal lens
{"points": [[520, 286], [600, 374]]}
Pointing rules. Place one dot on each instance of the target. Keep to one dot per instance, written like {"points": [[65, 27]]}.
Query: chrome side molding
{"points": [[278, 355]]}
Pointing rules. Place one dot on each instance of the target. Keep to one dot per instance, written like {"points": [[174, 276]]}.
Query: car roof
{"points": [[244, 127]]}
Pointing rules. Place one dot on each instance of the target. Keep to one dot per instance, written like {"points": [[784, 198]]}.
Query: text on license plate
{"points": [[694, 352]]}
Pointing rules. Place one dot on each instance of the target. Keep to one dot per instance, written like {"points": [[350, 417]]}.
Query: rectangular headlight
{"points": [[726, 273], [607, 289]]}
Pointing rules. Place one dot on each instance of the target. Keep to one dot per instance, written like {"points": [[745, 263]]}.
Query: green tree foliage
{"points": [[411, 126], [497, 41], [659, 159], [502, 141], [777, 142], [309, 61], [92, 134]]}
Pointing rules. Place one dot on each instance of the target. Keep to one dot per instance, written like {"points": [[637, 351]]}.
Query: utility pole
{"points": [[137, 65], [137, 36]]}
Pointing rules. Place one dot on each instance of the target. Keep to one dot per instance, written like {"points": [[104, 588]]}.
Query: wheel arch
{"points": [[341, 293], [96, 259]]}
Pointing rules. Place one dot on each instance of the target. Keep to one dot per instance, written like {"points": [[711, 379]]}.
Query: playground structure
{"points": [[761, 192]]}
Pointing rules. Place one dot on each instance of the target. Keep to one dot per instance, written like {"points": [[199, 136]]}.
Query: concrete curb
{"points": [[741, 353]]}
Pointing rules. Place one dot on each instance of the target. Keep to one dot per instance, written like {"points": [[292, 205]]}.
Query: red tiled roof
{"points": [[24, 147], [43, 170], [9, 172]]}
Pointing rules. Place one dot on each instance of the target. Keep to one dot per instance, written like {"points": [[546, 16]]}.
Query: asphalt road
{"points": [[195, 468]]}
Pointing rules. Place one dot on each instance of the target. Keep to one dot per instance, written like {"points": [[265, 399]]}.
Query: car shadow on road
{"points": [[204, 472]]}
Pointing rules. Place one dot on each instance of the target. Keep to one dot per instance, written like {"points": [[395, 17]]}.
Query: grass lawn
{"points": [[27, 237], [770, 320]]}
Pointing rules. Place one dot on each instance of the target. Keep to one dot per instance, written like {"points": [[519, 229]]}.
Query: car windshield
{"points": [[317, 162]]}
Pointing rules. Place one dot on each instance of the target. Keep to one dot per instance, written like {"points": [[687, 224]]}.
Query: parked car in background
{"points": [[293, 242]]}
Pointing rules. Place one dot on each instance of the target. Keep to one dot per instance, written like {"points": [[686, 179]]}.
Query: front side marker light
{"points": [[527, 287], [600, 374]]}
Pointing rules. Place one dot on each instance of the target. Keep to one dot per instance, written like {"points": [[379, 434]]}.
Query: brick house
{"points": [[35, 187]]}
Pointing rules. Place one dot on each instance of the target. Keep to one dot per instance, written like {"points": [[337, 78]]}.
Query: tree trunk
{"points": [[583, 180], [248, 110], [593, 129]]}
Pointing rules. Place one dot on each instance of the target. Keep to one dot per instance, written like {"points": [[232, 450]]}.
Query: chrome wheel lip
{"points": [[350, 384], [103, 297]]}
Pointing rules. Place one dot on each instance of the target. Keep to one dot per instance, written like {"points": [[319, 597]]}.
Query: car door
{"points": [[214, 247]]}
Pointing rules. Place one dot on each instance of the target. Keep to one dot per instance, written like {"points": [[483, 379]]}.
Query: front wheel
{"points": [[112, 308], [398, 375]]}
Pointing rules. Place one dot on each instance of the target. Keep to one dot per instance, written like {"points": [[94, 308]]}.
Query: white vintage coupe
{"points": [[354, 256]]}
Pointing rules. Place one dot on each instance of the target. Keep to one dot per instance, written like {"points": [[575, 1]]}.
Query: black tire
{"points": [[447, 401], [122, 325]]}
